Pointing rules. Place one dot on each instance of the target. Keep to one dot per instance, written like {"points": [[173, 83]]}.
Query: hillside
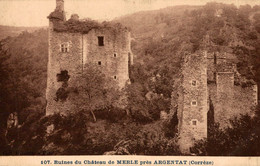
{"points": [[160, 38], [12, 31]]}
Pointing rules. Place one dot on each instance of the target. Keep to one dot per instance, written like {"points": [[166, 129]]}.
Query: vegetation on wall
{"points": [[84, 26]]}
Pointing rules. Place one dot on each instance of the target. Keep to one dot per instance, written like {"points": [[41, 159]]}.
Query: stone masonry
{"points": [[192, 102], [75, 43], [205, 78]]}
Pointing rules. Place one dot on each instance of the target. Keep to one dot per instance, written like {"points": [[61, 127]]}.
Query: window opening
{"points": [[194, 83], [101, 40], [194, 103], [63, 76], [64, 47]]}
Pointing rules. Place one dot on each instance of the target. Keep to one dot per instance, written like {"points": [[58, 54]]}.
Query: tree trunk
{"points": [[94, 117]]}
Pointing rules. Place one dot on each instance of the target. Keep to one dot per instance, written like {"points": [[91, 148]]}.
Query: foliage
{"points": [[93, 90], [240, 139], [171, 127], [147, 96], [85, 26], [23, 61], [97, 138]]}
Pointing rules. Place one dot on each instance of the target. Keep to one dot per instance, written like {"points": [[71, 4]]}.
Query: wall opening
{"points": [[62, 93], [215, 58], [194, 83], [171, 128], [64, 47], [99, 62], [194, 103], [210, 118], [101, 40], [115, 55], [63, 76], [115, 77]]}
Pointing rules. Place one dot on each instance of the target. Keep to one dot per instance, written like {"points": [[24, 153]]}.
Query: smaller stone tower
{"points": [[192, 102]]}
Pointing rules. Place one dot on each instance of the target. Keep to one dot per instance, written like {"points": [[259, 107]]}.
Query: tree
{"points": [[4, 98], [94, 91]]}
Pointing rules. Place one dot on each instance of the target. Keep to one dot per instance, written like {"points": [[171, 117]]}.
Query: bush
{"points": [[241, 139]]}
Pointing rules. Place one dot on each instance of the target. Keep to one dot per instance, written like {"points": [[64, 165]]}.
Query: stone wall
{"points": [[225, 95], [219, 62], [193, 114], [62, 61], [215, 76], [69, 53], [244, 100], [112, 58], [211, 67], [239, 102]]}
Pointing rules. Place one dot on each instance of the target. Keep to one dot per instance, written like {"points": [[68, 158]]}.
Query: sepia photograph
{"points": [[130, 77]]}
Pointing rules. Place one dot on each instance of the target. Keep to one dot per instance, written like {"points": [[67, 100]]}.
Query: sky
{"points": [[35, 12]]}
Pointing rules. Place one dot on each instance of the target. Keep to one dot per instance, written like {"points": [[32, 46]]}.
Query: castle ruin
{"points": [[209, 81], [73, 44], [210, 88]]}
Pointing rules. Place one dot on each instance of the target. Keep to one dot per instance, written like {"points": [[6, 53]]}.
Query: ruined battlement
{"points": [[75, 25], [58, 22]]}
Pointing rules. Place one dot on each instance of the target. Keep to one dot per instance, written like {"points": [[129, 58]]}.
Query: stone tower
{"points": [[74, 43], [210, 90], [192, 101], [60, 5]]}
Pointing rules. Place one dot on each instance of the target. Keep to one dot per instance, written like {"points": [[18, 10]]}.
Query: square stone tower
{"points": [[74, 43], [192, 102]]}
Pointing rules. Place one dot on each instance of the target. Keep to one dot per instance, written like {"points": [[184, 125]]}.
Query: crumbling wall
{"points": [[244, 100], [59, 61], [225, 93], [230, 101], [211, 67], [112, 57]]}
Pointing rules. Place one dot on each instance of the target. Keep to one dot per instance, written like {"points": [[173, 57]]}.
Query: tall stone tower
{"points": [[192, 101], [75, 43]]}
